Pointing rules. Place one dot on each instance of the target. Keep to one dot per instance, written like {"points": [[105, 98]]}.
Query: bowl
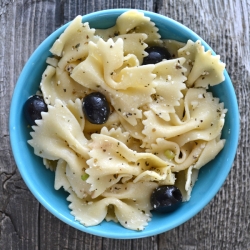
{"points": [[40, 181]]}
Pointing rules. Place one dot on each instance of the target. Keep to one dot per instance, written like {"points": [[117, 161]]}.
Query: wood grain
{"points": [[223, 224]]}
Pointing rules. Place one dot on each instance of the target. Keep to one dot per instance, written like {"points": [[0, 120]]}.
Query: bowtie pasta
{"points": [[163, 127]]}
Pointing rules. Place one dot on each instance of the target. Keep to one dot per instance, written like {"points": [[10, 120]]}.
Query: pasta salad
{"points": [[116, 128]]}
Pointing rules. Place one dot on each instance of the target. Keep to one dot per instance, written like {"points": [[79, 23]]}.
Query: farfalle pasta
{"points": [[164, 124]]}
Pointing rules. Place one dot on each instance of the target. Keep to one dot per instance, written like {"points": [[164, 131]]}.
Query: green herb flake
{"points": [[84, 177], [169, 154]]}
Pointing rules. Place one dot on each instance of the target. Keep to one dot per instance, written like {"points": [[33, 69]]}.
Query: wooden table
{"points": [[223, 224]]}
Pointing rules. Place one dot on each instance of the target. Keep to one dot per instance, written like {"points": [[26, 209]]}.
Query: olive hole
{"points": [[177, 195]]}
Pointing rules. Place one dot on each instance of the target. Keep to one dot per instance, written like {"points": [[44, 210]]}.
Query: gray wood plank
{"points": [[223, 224]]}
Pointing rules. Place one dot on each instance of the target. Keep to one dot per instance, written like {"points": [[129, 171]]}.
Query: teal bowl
{"points": [[40, 181]]}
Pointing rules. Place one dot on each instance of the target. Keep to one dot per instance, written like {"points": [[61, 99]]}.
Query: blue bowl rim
{"points": [[91, 230]]}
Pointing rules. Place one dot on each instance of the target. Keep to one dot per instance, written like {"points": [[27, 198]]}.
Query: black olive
{"points": [[155, 55], [96, 108], [33, 108], [166, 198]]}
